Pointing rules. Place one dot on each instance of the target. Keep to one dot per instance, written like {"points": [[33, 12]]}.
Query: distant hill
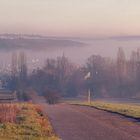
{"points": [[126, 38], [35, 42]]}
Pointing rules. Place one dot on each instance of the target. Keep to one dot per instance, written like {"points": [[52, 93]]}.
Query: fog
{"points": [[76, 53]]}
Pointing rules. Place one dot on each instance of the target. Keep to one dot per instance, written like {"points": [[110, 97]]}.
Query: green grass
{"points": [[124, 109], [30, 125]]}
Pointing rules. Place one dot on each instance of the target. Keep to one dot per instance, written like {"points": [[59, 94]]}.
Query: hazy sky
{"points": [[71, 17]]}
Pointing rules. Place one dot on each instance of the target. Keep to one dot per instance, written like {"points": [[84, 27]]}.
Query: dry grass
{"points": [[124, 109], [24, 122], [8, 113]]}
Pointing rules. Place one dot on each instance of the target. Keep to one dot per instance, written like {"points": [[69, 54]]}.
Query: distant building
{"points": [[7, 96], [1, 84]]}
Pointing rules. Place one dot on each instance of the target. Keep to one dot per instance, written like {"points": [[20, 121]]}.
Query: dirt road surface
{"points": [[73, 122]]}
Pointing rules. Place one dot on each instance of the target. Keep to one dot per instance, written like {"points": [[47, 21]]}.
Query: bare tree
{"points": [[14, 64], [22, 66], [95, 65], [121, 69]]}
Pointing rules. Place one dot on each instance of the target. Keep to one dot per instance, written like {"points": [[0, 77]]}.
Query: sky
{"points": [[78, 18]]}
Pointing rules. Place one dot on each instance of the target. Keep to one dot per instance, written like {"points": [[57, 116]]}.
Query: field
{"points": [[124, 109], [24, 121]]}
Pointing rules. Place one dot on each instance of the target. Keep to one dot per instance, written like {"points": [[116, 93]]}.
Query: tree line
{"points": [[60, 77]]}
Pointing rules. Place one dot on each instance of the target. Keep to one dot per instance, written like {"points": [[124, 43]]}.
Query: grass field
{"points": [[24, 122], [124, 109]]}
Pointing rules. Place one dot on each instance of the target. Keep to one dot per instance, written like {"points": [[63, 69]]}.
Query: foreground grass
{"points": [[124, 109], [29, 124]]}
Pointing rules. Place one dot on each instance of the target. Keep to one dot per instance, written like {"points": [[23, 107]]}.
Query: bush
{"points": [[52, 96]]}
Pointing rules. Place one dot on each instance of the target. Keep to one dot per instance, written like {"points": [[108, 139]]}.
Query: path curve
{"points": [[73, 122]]}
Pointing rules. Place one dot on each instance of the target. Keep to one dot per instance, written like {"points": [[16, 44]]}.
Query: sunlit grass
{"points": [[29, 124], [124, 109]]}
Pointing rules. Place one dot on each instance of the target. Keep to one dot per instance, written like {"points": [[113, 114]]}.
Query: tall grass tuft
{"points": [[8, 113]]}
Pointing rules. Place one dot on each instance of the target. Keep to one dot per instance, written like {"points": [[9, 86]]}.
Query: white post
{"points": [[89, 96]]}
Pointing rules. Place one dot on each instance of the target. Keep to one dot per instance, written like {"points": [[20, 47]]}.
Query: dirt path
{"points": [[73, 122], [85, 123]]}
